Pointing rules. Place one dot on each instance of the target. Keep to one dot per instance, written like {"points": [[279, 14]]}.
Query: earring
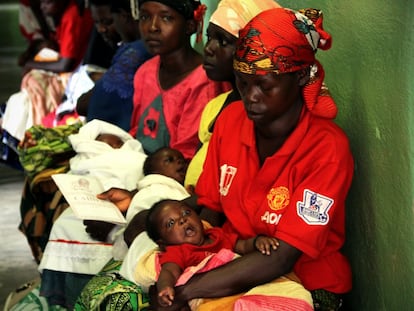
{"points": [[134, 9]]}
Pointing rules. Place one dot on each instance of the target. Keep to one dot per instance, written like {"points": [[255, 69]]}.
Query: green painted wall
{"points": [[10, 37], [11, 45], [370, 70]]}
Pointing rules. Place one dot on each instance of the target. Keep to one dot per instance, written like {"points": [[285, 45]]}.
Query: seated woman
{"points": [[176, 76], [171, 89], [43, 198], [73, 28], [218, 60], [45, 78], [285, 174], [110, 154], [222, 33], [110, 99]]}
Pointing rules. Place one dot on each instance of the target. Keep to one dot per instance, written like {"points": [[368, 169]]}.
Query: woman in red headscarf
{"points": [[278, 165]]}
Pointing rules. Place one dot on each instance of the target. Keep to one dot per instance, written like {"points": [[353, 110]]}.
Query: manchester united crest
{"points": [[278, 198]]}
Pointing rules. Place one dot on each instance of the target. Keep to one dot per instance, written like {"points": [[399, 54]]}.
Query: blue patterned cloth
{"points": [[112, 96]]}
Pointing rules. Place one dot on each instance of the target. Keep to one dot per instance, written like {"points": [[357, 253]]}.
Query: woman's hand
{"points": [[120, 197]]}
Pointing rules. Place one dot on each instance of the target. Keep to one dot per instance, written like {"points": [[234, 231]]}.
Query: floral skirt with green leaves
{"points": [[109, 291]]}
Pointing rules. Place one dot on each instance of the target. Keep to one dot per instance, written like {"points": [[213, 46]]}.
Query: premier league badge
{"points": [[314, 208]]}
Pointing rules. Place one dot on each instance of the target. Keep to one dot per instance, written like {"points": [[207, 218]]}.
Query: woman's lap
{"points": [[71, 249], [108, 290]]}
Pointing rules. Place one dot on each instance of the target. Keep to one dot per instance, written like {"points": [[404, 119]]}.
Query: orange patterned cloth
{"points": [[281, 41]]}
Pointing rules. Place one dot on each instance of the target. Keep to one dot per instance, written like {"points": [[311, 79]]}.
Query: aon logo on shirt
{"points": [[271, 218]]}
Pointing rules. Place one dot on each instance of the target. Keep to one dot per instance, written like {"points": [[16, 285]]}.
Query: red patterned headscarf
{"points": [[282, 40]]}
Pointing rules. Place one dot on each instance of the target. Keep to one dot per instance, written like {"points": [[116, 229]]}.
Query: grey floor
{"points": [[16, 262]]}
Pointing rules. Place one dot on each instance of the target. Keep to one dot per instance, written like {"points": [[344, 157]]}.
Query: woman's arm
{"points": [[259, 243], [83, 103]]}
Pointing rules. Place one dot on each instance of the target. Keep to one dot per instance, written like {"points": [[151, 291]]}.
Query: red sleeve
{"points": [[327, 184], [175, 254], [317, 208], [73, 33], [185, 136]]}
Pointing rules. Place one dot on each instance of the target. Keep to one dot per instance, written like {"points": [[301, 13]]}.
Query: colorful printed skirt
{"points": [[109, 291]]}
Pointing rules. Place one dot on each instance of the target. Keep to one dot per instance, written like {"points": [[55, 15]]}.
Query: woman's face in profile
{"points": [[268, 97], [218, 54], [104, 24]]}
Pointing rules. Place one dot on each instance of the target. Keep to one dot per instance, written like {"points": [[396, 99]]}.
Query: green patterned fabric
{"points": [[29, 300], [109, 291], [41, 204], [326, 301], [52, 146]]}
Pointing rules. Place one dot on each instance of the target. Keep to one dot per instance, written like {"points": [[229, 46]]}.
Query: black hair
{"points": [[149, 163], [80, 4], [184, 7], [151, 226], [100, 2], [118, 5]]}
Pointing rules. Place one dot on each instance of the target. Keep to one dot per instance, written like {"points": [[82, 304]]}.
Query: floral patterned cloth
{"points": [[108, 290]]}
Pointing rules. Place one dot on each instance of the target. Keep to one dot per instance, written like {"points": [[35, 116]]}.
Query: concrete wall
{"points": [[370, 70]]}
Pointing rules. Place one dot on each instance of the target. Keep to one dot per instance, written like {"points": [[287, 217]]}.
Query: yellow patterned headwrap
{"points": [[233, 15]]}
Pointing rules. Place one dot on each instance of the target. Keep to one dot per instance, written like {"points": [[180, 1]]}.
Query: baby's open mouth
{"points": [[189, 231]]}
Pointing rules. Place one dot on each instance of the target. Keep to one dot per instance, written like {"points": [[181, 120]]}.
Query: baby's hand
{"points": [[166, 296], [265, 244]]}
